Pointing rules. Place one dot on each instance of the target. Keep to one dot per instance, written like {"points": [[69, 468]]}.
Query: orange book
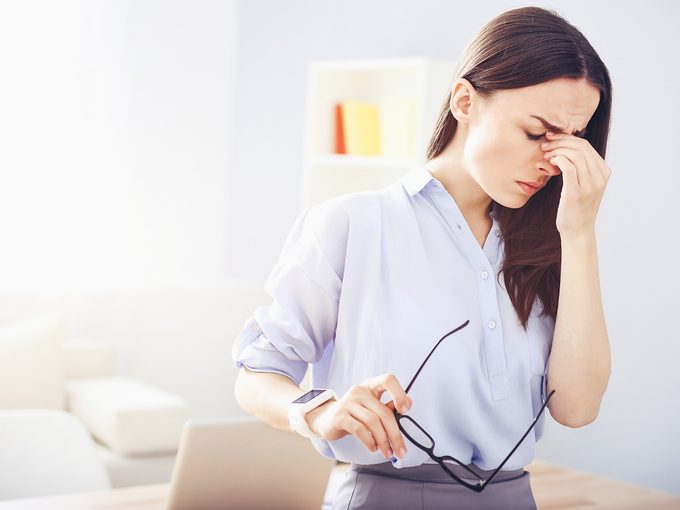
{"points": [[339, 131]]}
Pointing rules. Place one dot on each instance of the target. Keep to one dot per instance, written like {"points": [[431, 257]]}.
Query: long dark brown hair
{"points": [[519, 48]]}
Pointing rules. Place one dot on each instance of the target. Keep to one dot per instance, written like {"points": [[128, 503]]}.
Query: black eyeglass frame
{"points": [[481, 484]]}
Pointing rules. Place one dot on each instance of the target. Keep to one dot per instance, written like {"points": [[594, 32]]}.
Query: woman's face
{"points": [[503, 142]]}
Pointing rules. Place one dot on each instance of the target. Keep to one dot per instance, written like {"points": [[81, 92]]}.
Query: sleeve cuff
{"points": [[258, 354], [323, 447]]}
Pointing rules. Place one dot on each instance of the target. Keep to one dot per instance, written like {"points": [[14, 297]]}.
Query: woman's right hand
{"points": [[361, 413]]}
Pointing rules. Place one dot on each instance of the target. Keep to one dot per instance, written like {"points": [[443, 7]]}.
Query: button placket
{"points": [[493, 339], [493, 342]]}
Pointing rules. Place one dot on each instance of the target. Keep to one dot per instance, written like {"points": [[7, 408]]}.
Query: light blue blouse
{"points": [[367, 283]]}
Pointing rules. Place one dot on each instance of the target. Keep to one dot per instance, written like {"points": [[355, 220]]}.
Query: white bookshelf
{"points": [[325, 174]]}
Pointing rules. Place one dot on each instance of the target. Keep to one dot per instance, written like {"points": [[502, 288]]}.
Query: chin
{"points": [[512, 203]]}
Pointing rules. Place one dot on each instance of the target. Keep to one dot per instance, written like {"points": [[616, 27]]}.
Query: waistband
{"points": [[432, 472]]}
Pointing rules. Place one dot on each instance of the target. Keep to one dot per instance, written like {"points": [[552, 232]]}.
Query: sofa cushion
{"points": [[31, 364], [127, 415], [87, 357]]}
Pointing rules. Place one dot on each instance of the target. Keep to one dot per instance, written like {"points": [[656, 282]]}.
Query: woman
{"points": [[398, 292]]}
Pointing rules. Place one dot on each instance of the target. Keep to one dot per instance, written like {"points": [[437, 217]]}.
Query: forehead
{"points": [[566, 103]]}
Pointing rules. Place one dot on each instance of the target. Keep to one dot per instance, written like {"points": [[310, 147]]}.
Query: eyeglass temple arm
{"points": [[432, 352], [520, 441]]}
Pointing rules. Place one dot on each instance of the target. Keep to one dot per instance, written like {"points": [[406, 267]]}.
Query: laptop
{"points": [[245, 463]]}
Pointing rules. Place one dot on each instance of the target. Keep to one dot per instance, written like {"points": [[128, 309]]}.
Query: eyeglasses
{"points": [[419, 436]]}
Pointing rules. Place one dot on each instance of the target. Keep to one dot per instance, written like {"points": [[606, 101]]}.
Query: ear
{"points": [[463, 94]]}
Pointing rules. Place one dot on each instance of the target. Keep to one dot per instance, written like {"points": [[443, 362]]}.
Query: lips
{"points": [[538, 185], [530, 190]]}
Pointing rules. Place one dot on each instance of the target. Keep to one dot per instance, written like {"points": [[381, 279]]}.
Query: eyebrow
{"points": [[552, 127]]}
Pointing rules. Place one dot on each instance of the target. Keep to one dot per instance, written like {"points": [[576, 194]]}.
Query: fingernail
{"points": [[402, 452], [390, 453]]}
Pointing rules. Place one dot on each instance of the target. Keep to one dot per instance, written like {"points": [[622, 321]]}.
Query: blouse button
{"points": [[255, 326], [492, 324], [497, 233], [484, 275]]}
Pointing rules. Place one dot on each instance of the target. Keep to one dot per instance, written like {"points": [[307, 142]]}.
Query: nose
{"points": [[550, 169]]}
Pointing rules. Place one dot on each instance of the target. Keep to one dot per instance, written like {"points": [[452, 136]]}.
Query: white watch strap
{"points": [[299, 425], [297, 412]]}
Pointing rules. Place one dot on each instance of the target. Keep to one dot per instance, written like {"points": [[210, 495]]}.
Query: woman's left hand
{"points": [[584, 178]]}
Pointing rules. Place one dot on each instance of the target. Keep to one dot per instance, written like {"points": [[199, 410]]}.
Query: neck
{"points": [[448, 168]]}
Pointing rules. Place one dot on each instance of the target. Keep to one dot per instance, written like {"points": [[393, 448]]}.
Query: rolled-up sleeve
{"points": [[305, 283]]}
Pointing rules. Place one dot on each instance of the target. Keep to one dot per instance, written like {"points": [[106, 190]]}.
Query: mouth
{"points": [[528, 188]]}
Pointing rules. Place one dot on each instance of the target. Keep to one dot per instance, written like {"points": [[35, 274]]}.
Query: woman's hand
{"points": [[584, 175], [361, 413]]}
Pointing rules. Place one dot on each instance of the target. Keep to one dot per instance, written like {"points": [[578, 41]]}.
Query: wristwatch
{"points": [[302, 405]]}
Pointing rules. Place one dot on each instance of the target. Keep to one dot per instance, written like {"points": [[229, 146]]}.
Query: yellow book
{"points": [[360, 122], [397, 126]]}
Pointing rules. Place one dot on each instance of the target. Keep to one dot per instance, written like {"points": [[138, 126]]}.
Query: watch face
{"points": [[308, 396]]}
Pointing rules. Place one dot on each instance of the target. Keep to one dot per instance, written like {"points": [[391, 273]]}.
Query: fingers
{"points": [[374, 425], [598, 170], [388, 436], [359, 430], [388, 382], [379, 418], [568, 158]]}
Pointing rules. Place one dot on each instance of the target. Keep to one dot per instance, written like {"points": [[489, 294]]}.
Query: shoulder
{"points": [[340, 226], [343, 214]]}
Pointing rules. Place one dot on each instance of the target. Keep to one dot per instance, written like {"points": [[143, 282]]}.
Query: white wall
{"points": [[38, 176], [635, 437], [116, 141]]}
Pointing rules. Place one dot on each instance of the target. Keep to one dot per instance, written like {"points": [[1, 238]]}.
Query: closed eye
{"points": [[535, 138]]}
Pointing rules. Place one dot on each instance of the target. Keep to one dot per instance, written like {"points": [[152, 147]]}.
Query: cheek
{"points": [[493, 151]]}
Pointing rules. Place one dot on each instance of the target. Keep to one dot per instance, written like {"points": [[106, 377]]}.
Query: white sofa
{"points": [[131, 364], [136, 426], [47, 452]]}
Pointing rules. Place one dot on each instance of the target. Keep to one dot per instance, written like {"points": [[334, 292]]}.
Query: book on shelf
{"points": [[382, 128], [360, 127], [339, 131]]}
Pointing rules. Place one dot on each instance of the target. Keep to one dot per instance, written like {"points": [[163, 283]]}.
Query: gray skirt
{"points": [[428, 487]]}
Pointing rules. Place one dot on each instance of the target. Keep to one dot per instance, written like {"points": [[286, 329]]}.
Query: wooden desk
{"points": [[555, 488]]}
